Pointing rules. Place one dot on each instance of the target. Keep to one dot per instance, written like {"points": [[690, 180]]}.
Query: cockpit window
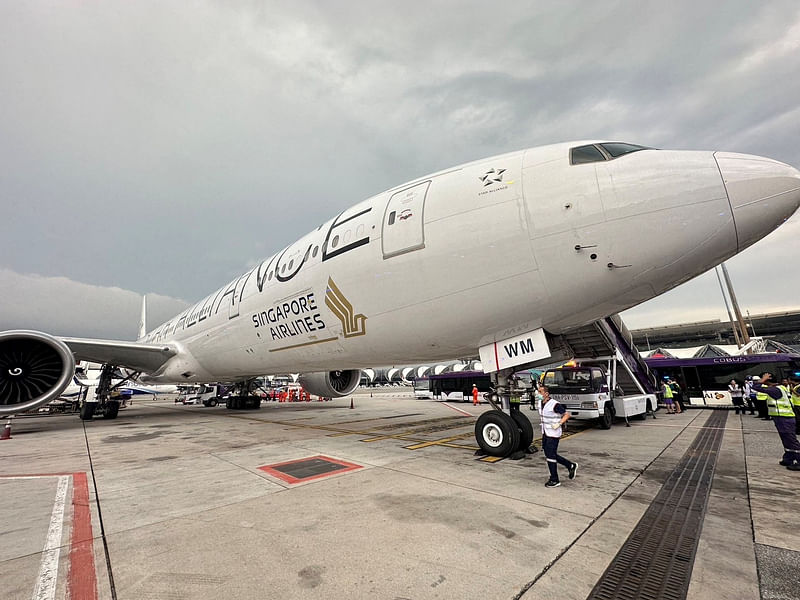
{"points": [[585, 154], [616, 149]]}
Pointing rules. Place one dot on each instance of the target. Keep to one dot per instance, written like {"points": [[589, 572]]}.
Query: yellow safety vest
{"points": [[796, 396], [667, 392], [782, 407], [762, 397]]}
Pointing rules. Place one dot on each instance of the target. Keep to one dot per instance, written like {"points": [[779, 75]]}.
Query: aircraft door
{"points": [[402, 229], [233, 307]]}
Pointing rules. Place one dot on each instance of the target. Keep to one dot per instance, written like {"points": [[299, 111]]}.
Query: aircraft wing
{"points": [[132, 355]]}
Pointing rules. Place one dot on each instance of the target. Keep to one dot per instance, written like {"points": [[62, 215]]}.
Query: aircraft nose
{"points": [[763, 193]]}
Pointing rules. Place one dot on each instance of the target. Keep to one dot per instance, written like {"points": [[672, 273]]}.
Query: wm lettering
{"points": [[517, 348]]}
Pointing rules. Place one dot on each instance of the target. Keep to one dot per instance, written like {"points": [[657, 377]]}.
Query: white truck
{"points": [[205, 394], [599, 388]]}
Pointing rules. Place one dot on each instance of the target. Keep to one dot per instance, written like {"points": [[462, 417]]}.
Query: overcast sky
{"points": [[164, 148]]}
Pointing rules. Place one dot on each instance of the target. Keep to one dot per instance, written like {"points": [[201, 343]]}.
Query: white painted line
{"points": [[48, 570], [6, 477], [463, 412]]}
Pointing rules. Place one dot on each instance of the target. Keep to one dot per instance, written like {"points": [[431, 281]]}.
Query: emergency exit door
{"points": [[402, 222]]}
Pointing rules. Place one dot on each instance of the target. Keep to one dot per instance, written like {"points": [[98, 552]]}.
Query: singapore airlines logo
{"points": [[492, 176], [352, 324]]}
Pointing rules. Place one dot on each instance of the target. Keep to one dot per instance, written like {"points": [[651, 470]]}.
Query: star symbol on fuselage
{"points": [[492, 176]]}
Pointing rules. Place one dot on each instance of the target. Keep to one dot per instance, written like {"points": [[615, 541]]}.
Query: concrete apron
{"points": [[188, 514]]}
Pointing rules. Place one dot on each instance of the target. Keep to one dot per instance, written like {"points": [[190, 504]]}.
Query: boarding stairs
{"points": [[605, 339]]}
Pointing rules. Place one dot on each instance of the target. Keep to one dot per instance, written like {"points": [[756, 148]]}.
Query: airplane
{"points": [[504, 252]]}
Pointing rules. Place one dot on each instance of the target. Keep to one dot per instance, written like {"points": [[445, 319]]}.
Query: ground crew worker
{"points": [[474, 395], [749, 395], [668, 398], [794, 388], [676, 395], [761, 401], [796, 405], [553, 416], [780, 409]]}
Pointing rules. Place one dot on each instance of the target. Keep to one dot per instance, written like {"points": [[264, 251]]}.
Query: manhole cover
{"points": [[306, 469]]}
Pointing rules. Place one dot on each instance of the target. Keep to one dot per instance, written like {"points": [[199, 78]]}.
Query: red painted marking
{"points": [[81, 577], [270, 469], [496, 358]]}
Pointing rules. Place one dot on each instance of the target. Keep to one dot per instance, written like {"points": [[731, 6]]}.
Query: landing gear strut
{"points": [[503, 431], [104, 402]]}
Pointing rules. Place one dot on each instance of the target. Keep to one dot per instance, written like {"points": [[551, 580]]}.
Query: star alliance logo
{"points": [[353, 324], [492, 176]]}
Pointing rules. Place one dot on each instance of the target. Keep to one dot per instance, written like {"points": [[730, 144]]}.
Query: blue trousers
{"points": [[791, 447], [550, 447]]}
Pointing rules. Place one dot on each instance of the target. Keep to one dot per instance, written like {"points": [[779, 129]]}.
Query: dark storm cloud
{"points": [[162, 148]]}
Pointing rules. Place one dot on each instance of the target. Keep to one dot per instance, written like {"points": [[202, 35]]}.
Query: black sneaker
{"points": [[552, 484], [572, 470], [794, 467]]}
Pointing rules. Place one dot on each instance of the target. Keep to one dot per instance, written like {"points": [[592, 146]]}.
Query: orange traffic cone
{"points": [[351, 405], [6, 434]]}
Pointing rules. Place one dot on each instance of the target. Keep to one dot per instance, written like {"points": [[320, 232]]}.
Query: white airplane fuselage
{"points": [[437, 267]]}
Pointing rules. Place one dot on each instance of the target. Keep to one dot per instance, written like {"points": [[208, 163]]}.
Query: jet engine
{"points": [[331, 384], [34, 369]]}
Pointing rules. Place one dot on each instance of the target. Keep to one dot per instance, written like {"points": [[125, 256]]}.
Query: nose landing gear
{"points": [[503, 431]]}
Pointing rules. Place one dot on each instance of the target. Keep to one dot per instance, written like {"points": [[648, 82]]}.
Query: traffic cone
{"points": [[351, 406], [6, 434]]}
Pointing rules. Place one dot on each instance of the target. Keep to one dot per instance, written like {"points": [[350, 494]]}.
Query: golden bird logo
{"points": [[353, 324]]}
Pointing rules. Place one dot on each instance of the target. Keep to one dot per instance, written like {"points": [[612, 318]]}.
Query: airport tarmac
{"points": [[172, 501]]}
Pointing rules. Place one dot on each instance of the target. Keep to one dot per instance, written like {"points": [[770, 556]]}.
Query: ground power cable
{"points": [[100, 517]]}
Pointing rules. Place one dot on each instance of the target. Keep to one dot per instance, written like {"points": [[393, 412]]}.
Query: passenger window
{"points": [[585, 154]]}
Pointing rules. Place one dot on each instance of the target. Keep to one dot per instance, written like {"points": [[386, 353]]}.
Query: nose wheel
{"points": [[497, 433]]}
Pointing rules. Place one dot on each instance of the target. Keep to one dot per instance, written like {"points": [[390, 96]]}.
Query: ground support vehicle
{"points": [[599, 389]]}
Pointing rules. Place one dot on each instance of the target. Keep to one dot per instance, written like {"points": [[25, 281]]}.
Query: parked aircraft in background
{"points": [[499, 254]]}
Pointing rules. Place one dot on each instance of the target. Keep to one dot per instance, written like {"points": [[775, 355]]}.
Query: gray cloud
{"points": [[163, 149], [64, 307]]}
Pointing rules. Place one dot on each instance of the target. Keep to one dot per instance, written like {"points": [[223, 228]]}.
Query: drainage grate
{"points": [[305, 469], [656, 560]]}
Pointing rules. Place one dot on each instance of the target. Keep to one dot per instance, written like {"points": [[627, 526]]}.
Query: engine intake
{"points": [[331, 384], [34, 369]]}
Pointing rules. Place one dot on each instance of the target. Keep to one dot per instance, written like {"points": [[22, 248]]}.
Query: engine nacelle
{"points": [[34, 369], [331, 384]]}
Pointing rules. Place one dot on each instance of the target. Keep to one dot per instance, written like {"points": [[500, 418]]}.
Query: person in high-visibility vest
{"points": [[761, 401], [668, 398], [794, 393], [779, 406], [553, 416], [475, 395]]}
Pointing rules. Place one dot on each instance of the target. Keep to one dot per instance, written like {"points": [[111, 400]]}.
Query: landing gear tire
{"points": [[607, 418], [253, 402], [87, 410], [525, 430], [497, 433], [111, 410]]}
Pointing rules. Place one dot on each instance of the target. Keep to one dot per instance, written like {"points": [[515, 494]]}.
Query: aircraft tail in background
{"points": [[143, 319]]}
